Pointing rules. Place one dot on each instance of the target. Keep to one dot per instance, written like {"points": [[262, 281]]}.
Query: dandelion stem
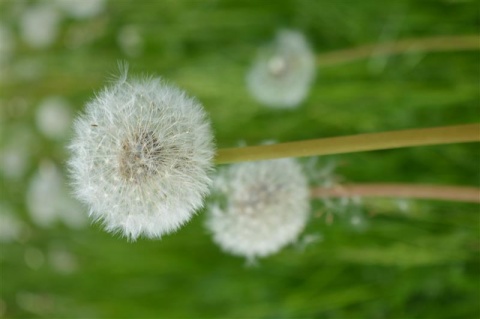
{"points": [[448, 193], [431, 44], [352, 143]]}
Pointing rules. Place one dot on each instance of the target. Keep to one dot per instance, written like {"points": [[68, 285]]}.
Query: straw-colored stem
{"points": [[446, 193], [352, 143], [431, 44]]}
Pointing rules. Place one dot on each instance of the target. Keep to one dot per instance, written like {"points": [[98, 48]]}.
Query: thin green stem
{"points": [[435, 192], [431, 44], [352, 143]]}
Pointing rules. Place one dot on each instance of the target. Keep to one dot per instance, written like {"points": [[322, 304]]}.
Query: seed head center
{"points": [[257, 196], [277, 66], [140, 157]]}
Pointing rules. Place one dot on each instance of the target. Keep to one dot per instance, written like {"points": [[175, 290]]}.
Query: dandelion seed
{"points": [[347, 210], [141, 157], [261, 207], [282, 73]]}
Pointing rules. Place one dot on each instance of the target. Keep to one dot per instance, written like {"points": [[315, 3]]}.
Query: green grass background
{"points": [[422, 263]]}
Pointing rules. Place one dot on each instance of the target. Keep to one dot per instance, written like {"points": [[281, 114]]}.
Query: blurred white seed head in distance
{"points": [[141, 157], [282, 73], [48, 201], [82, 9], [260, 207], [39, 25]]}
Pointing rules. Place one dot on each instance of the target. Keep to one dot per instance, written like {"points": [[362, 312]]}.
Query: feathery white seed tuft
{"points": [[261, 207], [282, 73], [141, 156]]}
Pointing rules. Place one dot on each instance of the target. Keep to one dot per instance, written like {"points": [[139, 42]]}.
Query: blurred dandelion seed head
{"points": [[82, 9], [53, 117], [283, 72], [130, 40], [48, 201], [10, 225], [141, 156], [45, 15], [260, 207]]}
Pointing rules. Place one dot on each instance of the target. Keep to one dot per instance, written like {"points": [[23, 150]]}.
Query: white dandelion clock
{"points": [[48, 201], [282, 74], [82, 9], [141, 156], [261, 207], [45, 15]]}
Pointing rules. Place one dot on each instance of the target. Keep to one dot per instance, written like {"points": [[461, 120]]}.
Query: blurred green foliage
{"points": [[419, 262]]}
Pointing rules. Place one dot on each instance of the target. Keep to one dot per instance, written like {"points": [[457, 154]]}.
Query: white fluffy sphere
{"points": [[261, 207], [282, 74], [141, 156]]}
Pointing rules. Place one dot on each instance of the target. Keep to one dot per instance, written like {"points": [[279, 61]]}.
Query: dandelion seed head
{"points": [[130, 40], [282, 73], [54, 117], [82, 9], [10, 225], [45, 15], [261, 207], [48, 201], [141, 157]]}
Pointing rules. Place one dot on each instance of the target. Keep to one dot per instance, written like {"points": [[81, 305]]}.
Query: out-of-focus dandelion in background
{"points": [[261, 207], [283, 72], [356, 257]]}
